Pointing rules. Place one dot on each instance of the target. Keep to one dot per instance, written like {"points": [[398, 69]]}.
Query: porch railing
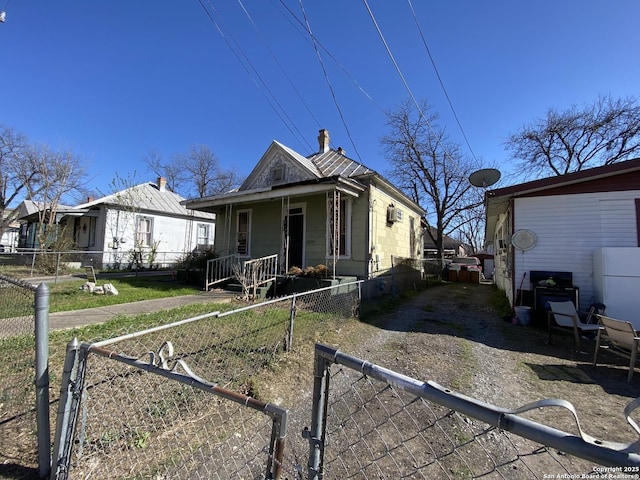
{"points": [[221, 269]]}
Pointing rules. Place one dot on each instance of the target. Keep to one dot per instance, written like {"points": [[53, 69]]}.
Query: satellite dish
{"points": [[523, 240], [485, 177]]}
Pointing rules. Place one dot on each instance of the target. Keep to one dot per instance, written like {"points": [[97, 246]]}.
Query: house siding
{"points": [[174, 236], [390, 239], [569, 228]]}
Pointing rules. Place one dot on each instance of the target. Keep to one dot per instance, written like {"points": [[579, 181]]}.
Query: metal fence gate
{"points": [[180, 400], [369, 423]]}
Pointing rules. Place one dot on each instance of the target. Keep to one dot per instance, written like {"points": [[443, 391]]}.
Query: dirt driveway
{"points": [[451, 335]]}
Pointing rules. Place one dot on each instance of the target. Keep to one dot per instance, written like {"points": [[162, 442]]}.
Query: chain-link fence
{"points": [[24, 409], [149, 404], [46, 262], [369, 422]]}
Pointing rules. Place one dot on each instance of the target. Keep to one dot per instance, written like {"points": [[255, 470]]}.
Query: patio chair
{"points": [[622, 340], [568, 318]]}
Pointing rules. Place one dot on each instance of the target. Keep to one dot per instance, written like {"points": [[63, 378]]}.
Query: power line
{"points": [[326, 52], [446, 154], [435, 68], [275, 59], [326, 77], [261, 85]]}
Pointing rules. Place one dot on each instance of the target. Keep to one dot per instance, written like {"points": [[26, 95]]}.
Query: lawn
{"points": [[67, 295]]}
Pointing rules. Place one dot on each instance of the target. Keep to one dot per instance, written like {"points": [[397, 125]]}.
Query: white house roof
{"points": [[148, 197]]}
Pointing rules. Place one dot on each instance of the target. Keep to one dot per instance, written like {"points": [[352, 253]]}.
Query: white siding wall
{"points": [[175, 235], [569, 228]]}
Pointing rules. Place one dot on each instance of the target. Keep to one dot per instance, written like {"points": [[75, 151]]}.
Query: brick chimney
{"points": [[162, 184], [323, 141]]}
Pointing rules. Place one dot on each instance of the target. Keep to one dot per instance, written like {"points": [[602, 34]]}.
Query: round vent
{"points": [[523, 239]]}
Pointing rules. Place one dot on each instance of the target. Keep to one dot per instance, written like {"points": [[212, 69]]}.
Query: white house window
{"points": [[343, 220], [243, 233], [144, 231], [203, 235]]}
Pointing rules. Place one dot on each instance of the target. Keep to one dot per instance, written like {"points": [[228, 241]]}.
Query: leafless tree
{"points": [[602, 133], [197, 173], [172, 171], [429, 168], [37, 173], [57, 174], [13, 177]]}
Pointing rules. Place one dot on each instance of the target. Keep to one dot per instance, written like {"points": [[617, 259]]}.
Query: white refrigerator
{"points": [[616, 282]]}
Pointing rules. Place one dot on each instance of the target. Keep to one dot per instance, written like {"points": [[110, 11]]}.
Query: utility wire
{"points": [[446, 154], [435, 68], [261, 85], [326, 77], [326, 51], [275, 59]]}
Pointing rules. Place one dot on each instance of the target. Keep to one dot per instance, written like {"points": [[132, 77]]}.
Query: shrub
{"points": [[196, 260]]}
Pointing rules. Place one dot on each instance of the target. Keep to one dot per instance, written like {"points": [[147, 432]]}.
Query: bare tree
{"points": [[40, 174], [206, 174], [57, 174], [13, 177], [173, 171], [123, 223], [197, 173], [567, 141], [429, 168]]}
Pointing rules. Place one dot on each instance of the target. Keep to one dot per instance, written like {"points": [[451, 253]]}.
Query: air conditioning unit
{"points": [[392, 214]]}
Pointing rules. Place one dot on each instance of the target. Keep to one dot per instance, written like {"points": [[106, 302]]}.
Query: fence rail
{"points": [[371, 422], [137, 405], [53, 263]]}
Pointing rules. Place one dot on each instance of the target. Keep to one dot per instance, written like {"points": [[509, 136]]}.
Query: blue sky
{"points": [[113, 80]]}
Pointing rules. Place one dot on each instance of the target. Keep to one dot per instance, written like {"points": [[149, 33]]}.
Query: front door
{"points": [[295, 224]]}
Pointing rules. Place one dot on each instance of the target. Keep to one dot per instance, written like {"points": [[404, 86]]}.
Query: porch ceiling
{"points": [[347, 187]]}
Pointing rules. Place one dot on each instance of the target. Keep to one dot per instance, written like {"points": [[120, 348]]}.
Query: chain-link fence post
{"points": [[316, 434], [292, 316], [42, 379], [70, 392]]}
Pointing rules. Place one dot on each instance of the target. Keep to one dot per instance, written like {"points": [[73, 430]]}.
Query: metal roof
{"points": [[333, 163], [148, 197]]}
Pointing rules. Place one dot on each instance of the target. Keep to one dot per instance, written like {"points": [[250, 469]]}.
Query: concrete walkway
{"points": [[89, 316]]}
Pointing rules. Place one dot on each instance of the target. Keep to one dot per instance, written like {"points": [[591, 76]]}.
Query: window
{"points": [[277, 174], [202, 235], [243, 233], [144, 231], [342, 237]]}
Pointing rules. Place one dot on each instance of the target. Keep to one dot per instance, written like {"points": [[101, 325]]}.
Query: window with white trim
{"points": [[144, 231], [243, 233], [202, 236]]}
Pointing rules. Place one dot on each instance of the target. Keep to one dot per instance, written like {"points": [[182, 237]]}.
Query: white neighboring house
{"points": [[143, 220], [9, 237]]}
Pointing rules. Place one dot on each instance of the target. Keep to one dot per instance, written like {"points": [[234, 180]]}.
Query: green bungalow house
{"points": [[322, 209]]}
